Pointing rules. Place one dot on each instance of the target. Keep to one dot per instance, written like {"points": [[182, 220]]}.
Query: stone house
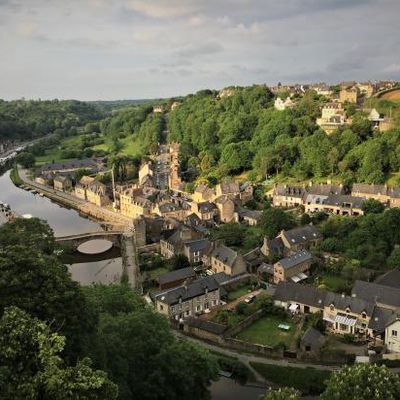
{"points": [[223, 259], [194, 250], [346, 314], [249, 217], [227, 189], [133, 203], [158, 109], [382, 193], [206, 211], [176, 278], [173, 241], [366, 88], [349, 94], [41, 180], [293, 267], [192, 299], [203, 193], [170, 210], [146, 173], [82, 186], [333, 116], [226, 208], [62, 183], [287, 195], [96, 193], [301, 238], [246, 192], [335, 204]]}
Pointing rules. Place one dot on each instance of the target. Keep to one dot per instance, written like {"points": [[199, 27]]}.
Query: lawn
{"points": [[334, 283], [238, 292], [308, 380], [266, 332]]}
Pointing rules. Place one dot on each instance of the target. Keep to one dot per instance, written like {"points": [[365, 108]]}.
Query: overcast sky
{"points": [[130, 49]]}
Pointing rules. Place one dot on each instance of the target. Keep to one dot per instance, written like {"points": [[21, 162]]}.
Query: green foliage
{"points": [[274, 220], [363, 381], [372, 206], [135, 346], [232, 234], [282, 394], [33, 279], [394, 258], [27, 119], [26, 159], [178, 261], [308, 380], [31, 366]]}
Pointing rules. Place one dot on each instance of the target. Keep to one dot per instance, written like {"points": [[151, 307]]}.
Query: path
{"points": [[83, 206]]}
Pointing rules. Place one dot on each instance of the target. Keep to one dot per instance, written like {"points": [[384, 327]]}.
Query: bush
{"points": [[349, 338]]}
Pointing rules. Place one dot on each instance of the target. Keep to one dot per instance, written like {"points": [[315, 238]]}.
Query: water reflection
{"points": [[64, 221], [105, 271]]}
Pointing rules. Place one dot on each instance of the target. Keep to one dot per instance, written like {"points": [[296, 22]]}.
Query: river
{"points": [[65, 222]]}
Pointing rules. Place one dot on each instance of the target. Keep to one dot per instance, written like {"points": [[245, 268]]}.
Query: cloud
{"points": [[201, 49]]}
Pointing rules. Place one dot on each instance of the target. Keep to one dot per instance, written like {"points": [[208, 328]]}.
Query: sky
{"points": [[134, 49]]}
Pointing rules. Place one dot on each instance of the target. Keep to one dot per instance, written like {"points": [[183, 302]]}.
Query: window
{"points": [[187, 313], [363, 315], [161, 307], [394, 333], [343, 327], [198, 308]]}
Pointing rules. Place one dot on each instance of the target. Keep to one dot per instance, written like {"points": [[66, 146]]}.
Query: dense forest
{"points": [[243, 132], [29, 119]]}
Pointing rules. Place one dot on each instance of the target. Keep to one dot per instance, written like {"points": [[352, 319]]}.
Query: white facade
{"points": [[392, 337]]}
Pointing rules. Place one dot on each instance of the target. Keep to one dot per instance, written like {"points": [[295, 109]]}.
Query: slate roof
{"points": [[205, 325], [229, 187], [313, 337], [309, 295], [194, 289], [295, 259], [62, 178], [275, 246], [169, 207], [253, 214], [373, 292], [391, 278], [197, 244], [324, 189], [370, 189], [224, 254], [381, 317], [340, 200], [265, 268], [342, 302], [221, 277], [302, 234], [293, 191], [176, 275], [206, 206]]}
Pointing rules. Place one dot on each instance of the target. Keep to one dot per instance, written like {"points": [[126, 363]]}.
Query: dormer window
{"points": [[332, 307], [348, 310], [364, 314]]}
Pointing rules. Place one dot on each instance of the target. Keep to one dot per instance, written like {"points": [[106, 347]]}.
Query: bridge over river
{"points": [[123, 239]]}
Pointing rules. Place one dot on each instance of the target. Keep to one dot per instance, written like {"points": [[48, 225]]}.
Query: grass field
{"points": [[266, 332], [334, 283], [155, 273], [307, 380], [238, 292]]}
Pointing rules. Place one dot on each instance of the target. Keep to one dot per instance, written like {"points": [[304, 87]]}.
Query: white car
{"points": [[249, 299]]}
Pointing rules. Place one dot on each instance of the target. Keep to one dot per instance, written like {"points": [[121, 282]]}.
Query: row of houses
{"points": [[331, 198], [371, 312]]}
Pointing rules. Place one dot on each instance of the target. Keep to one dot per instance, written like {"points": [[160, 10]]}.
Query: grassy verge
{"points": [[238, 292], [266, 332], [307, 380], [14, 176]]}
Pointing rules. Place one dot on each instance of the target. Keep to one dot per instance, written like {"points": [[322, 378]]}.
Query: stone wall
{"points": [[244, 324]]}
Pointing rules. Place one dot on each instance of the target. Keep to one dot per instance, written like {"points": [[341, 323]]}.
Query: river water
{"points": [[65, 222]]}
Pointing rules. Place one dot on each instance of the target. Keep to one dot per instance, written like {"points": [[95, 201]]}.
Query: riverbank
{"points": [[116, 220]]}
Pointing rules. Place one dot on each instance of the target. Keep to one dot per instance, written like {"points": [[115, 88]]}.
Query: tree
{"points": [[33, 279], [31, 366], [26, 159], [232, 234], [178, 261], [274, 220], [136, 347], [362, 381], [394, 259], [372, 206], [282, 394]]}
